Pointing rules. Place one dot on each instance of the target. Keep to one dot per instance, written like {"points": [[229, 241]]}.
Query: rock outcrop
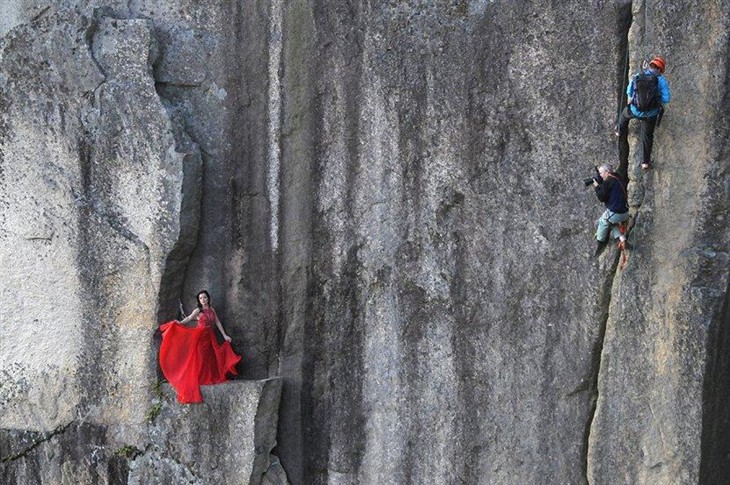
{"points": [[187, 444], [102, 196], [92, 196], [385, 200], [226, 439]]}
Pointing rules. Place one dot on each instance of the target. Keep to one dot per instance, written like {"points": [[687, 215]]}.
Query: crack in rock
{"points": [[45, 437]]}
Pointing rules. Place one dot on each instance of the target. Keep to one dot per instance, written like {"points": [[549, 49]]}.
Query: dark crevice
{"points": [[193, 167], [89, 35], [176, 262], [194, 163], [624, 21], [42, 439], [264, 435], [715, 447], [165, 84], [40, 14], [582, 387], [603, 305], [175, 271]]}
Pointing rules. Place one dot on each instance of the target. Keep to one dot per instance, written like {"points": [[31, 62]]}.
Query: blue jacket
{"points": [[664, 96]]}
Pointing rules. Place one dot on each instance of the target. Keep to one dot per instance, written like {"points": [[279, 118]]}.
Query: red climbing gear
{"points": [[623, 227]]}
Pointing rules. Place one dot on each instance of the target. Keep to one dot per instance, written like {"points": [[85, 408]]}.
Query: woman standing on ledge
{"points": [[191, 356]]}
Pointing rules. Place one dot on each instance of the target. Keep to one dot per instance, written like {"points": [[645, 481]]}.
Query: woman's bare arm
{"points": [[220, 327], [192, 316]]}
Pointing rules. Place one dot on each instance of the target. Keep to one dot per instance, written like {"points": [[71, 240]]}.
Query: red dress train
{"points": [[191, 356]]}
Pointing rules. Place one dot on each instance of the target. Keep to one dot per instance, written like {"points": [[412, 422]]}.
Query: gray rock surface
{"points": [[451, 322], [385, 201], [71, 454], [226, 439], [100, 212], [212, 76], [663, 385], [92, 191]]}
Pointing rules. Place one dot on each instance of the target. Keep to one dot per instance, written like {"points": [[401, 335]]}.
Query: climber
{"points": [[611, 190], [647, 93]]}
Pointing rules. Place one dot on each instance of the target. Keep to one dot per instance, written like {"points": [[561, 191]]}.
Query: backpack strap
{"points": [[621, 184], [634, 78]]}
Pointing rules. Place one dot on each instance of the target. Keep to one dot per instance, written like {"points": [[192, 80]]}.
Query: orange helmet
{"points": [[659, 63]]}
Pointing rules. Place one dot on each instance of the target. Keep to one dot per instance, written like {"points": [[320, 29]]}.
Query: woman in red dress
{"points": [[191, 356]]}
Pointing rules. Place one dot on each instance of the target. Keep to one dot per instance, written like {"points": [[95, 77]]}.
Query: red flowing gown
{"points": [[191, 356]]}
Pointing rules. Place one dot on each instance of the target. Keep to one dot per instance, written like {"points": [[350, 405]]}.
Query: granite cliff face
{"points": [[385, 201]]}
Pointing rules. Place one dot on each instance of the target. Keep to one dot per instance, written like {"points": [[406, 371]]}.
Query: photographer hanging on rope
{"points": [[611, 190], [647, 93]]}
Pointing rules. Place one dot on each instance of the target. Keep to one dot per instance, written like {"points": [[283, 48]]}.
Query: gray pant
{"points": [[610, 220]]}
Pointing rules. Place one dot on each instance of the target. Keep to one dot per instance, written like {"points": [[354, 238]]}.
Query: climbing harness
{"points": [[625, 228]]}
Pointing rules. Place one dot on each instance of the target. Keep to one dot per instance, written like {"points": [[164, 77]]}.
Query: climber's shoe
{"points": [[600, 246]]}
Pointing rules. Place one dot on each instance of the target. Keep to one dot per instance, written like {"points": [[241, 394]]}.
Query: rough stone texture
{"points": [[72, 454], [100, 212], [664, 382], [18, 12], [209, 65], [446, 322], [226, 439], [91, 187], [385, 201], [211, 74], [275, 475], [458, 338]]}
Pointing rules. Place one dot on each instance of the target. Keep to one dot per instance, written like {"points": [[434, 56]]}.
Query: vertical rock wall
{"points": [[212, 76], [103, 177], [448, 322], [663, 370], [385, 200], [92, 191], [454, 314]]}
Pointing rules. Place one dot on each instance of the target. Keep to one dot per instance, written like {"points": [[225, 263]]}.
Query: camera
{"points": [[596, 177]]}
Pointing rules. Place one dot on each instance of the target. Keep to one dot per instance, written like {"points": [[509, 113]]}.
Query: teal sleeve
{"points": [[664, 90]]}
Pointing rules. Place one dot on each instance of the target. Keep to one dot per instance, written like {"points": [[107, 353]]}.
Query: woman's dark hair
{"points": [[197, 298]]}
